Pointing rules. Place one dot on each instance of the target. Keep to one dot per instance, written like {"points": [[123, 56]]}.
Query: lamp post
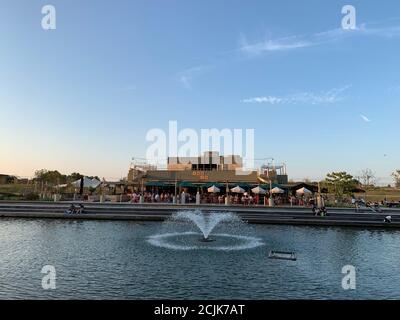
{"points": [[227, 194], [271, 200], [175, 198], [141, 197], [320, 200], [198, 197]]}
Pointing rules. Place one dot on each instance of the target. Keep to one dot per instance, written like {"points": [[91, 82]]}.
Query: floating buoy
{"points": [[282, 255]]}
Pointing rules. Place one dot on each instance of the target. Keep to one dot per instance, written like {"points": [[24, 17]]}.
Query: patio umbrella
{"points": [[258, 190], [303, 191], [213, 189], [61, 186], [237, 189], [86, 182], [277, 190]]}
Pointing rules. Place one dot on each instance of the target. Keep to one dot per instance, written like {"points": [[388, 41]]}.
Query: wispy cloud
{"points": [[316, 39], [187, 76], [185, 80], [324, 97], [265, 99], [381, 29], [129, 87], [289, 43], [365, 118], [394, 89]]}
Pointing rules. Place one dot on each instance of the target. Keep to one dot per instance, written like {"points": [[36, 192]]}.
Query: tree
{"points": [[367, 177], [341, 183], [74, 177], [55, 177], [94, 177], [396, 178], [50, 177]]}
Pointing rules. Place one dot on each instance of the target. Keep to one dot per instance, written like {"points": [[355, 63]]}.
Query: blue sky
{"points": [[82, 97]]}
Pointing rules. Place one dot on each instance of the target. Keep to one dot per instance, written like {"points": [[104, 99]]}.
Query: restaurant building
{"points": [[202, 172], [6, 179]]}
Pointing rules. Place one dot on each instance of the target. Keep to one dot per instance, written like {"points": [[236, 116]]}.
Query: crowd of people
{"points": [[216, 198], [245, 199], [206, 198]]}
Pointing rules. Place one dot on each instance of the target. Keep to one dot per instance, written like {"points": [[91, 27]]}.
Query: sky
{"points": [[82, 97]]}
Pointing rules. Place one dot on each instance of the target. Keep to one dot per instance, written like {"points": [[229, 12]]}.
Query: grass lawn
{"points": [[378, 194], [16, 188]]}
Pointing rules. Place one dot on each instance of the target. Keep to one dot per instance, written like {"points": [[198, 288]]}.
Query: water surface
{"points": [[114, 260]]}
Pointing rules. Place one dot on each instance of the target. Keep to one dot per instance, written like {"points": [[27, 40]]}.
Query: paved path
{"points": [[160, 212]]}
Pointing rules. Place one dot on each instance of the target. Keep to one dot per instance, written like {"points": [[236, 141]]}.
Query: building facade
{"points": [[209, 161], [198, 172], [6, 179]]}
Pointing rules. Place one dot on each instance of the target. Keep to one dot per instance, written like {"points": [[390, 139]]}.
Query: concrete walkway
{"points": [[159, 212]]}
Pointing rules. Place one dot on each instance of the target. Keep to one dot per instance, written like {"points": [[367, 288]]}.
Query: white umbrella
{"points": [[61, 185], [258, 190], [213, 189], [303, 191], [277, 190], [87, 183], [237, 189]]}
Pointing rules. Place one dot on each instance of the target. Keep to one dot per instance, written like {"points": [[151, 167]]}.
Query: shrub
{"points": [[31, 196]]}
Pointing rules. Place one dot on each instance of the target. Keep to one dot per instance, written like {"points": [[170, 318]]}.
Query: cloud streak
{"points": [[365, 118], [316, 39], [290, 43], [269, 45], [324, 97], [187, 76]]}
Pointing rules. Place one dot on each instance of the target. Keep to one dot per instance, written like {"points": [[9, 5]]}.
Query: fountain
{"points": [[206, 223]]}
